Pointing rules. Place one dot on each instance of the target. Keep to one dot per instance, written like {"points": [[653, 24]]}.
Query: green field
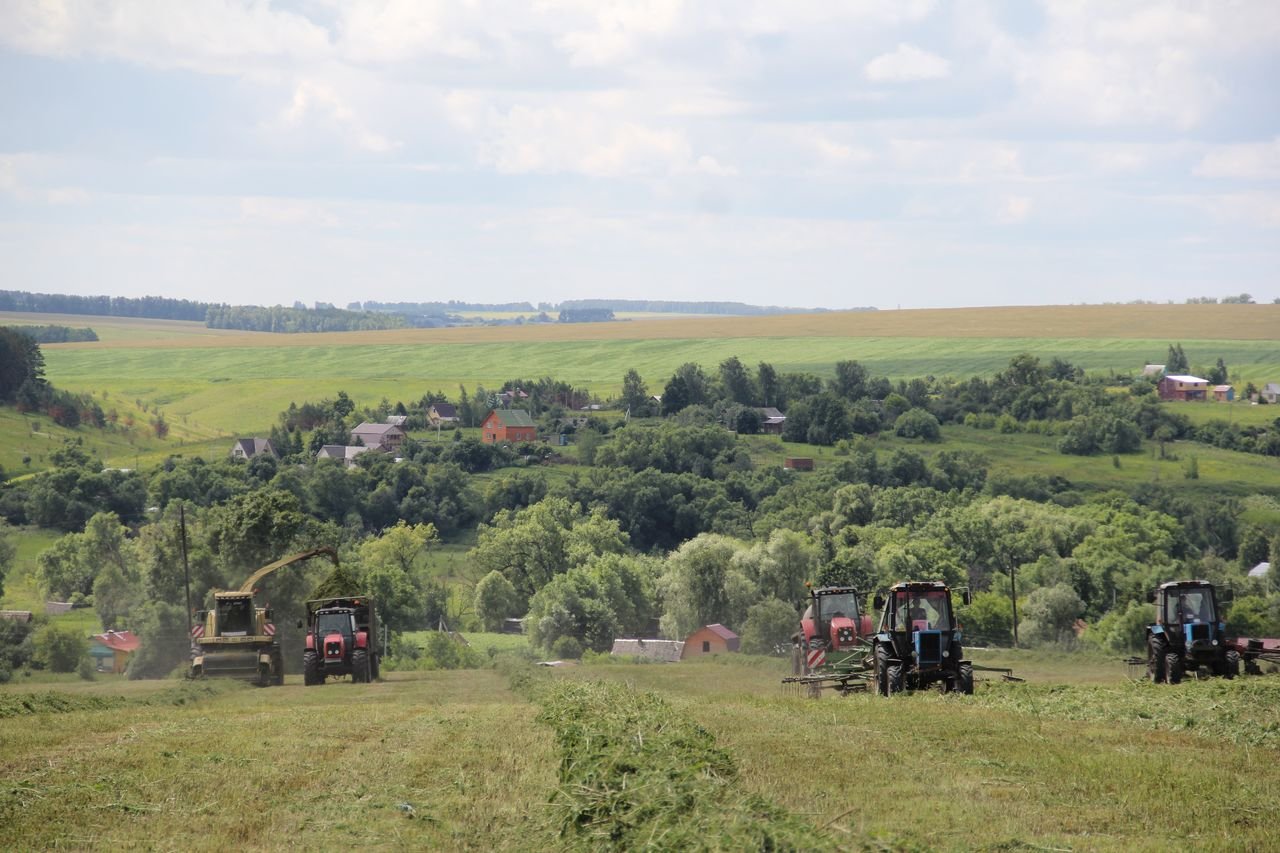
{"points": [[237, 382], [1078, 758]]}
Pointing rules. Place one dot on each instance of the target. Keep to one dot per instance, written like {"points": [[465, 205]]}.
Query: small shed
{"points": [[1223, 393], [111, 650], [1261, 570], [772, 421], [16, 615], [502, 426], [710, 640], [798, 463], [660, 651]]}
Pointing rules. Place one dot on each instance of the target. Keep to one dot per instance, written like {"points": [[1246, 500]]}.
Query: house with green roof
{"points": [[508, 426]]}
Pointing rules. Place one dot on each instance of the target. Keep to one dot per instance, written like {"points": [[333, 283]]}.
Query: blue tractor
{"points": [[1189, 633], [917, 644]]}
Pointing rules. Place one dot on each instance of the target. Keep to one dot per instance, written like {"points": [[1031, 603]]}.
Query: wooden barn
{"points": [[508, 426], [710, 640], [1224, 393]]}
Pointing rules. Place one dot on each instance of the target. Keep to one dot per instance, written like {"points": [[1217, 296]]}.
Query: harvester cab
{"points": [[917, 643], [1188, 633], [833, 625], [236, 638]]}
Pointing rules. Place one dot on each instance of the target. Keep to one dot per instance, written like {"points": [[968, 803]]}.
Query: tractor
{"points": [[1188, 633], [236, 638], [341, 639], [830, 647], [918, 641]]}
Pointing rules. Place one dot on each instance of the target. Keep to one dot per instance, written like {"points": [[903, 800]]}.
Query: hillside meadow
{"points": [[236, 382], [1079, 758]]}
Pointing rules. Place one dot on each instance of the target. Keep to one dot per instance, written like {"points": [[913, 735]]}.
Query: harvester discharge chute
{"points": [[236, 638]]}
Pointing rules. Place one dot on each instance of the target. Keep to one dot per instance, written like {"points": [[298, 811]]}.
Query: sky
{"points": [[803, 153]]}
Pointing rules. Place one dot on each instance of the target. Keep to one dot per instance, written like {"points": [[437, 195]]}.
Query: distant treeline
{"points": [[251, 318], [440, 309], [57, 334], [151, 307]]}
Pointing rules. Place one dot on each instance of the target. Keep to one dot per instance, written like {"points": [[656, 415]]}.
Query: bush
{"points": [[566, 648], [769, 627], [86, 669], [60, 649], [918, 423]]}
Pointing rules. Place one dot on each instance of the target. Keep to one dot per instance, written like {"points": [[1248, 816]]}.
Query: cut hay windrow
{"points": [[637, 774]]}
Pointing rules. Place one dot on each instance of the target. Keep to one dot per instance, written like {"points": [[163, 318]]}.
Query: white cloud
{"points": [[315, 101], [905, 64], [1257, 161], [1014, 210]]}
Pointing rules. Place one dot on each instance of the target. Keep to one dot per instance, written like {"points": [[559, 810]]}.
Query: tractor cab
{"points": [[236, 615], [833, 619]]}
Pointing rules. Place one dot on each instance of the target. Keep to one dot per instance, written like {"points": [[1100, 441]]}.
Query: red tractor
{"points": [[830, 647], [341, 639]]}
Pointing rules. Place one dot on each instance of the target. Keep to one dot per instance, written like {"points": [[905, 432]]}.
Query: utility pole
{"points": [[1013, 595]]}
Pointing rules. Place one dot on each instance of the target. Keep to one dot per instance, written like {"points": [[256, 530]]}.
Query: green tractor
{"points": [[917, 644], [1188, 633]]}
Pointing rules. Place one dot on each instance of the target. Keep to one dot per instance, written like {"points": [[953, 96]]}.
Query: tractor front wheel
{"points": [[965, 681], [1173, 667], [1156, 648], [1231, 668], [894, 678], [360, 666], [311, 668]]}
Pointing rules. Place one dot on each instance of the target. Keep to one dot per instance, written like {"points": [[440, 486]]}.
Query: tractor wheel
{"points": [[1231, 668], [311, 669], [1251, 667], [277, 665], [264, 675], [1173, 667], [882, 671], [965, 680], [1156, 648], [894, 678], [360, 666]]}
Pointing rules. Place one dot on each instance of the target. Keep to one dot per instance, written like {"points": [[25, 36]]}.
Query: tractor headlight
{"points": [[1215, 642], [946, 654]]}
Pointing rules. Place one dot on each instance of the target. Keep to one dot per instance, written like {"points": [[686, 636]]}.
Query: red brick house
{"points": [[507, 426], [710, 640], [1180, 387]]}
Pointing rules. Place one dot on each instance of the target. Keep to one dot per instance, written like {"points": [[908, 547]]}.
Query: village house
{"points": [[1182, 387], [397, 420], [772, 421], [1223, 393], [346, 453], [111, 650], [247, 448], [1270, 392], [661, 651], [386, 437], [442, 414], [710, 640], [508, 426]]}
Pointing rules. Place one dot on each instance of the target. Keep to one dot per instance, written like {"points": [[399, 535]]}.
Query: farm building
{"points": [[772, 421], [1154, 371], [16, 615], [1270, 392], [1223, 393], [442, 414], [397, 420], [662, 651], [111, 650], [343, 452], [57, 608], [798, 463], [382, 436], [502, 426], [1181, 387], [710, 640], [247, 448]]}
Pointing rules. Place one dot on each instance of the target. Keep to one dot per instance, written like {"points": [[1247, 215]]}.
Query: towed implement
{"points": [[236, 638]]}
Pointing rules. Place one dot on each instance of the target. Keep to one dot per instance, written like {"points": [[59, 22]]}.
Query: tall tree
{"points": [[767, 379], [737, 382], [1176, 361], [850, 381], [635, 394]]}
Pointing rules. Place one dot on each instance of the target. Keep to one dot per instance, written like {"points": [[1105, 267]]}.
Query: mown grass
{"points": [[445, 761]]}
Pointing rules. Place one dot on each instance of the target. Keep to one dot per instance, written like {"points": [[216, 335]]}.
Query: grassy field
{"points": [[1078, 758], [240, 381]]}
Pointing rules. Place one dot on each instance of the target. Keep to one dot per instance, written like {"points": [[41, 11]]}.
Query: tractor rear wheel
{"points": [[1231, 668], [311, 668], [1156, 648], [965, 681], [1173, 667], [360, 666]]}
